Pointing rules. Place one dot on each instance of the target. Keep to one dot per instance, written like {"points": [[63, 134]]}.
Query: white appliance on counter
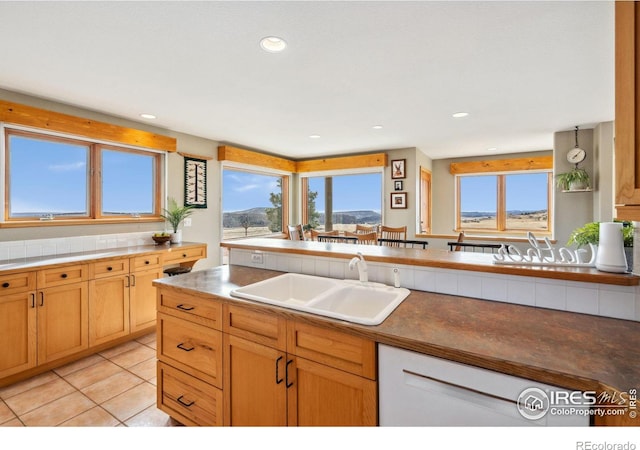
{"points": [[420, 390]]}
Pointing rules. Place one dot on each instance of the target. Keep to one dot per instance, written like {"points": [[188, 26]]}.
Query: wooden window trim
{"points": [[94, 215], [426, 189], [501, 165]]}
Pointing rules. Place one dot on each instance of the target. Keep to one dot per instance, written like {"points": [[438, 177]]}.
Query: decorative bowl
{"points": [[161, 240]]}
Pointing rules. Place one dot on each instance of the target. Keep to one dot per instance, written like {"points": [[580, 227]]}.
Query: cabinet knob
{"points": [[64, 275], [146, 262], [5, 284], [184, 255], [109, 268]]}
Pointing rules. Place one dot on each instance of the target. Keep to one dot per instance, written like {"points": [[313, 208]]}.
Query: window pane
{"points": [[47, 177], [251, 204], [128, 182], [478, 202], [527, 207], [353, 199]]}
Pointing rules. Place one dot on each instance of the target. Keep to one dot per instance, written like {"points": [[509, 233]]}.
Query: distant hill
{"points": [[513, 212], [258, 217]]}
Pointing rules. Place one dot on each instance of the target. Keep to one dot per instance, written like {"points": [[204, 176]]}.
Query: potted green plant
{"points": [[575, 179], [174, 215], [589, 233]]}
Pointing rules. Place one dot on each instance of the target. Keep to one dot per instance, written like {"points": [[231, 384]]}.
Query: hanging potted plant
{"points": [[174, 215], [576, 179]]}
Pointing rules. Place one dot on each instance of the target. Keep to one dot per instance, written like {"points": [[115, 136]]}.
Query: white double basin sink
{"points": [[365, 303]]}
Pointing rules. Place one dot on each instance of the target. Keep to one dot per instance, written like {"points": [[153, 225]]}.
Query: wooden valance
{"points": [[502, 165]]}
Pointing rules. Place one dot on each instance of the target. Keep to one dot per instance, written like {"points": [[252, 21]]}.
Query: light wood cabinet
{"points": [[18, 335], [627, 110], [190, 374], [260, 368], [143, 299], [63, 321], [319, 377]]}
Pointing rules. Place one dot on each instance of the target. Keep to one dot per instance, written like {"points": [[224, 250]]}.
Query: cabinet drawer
{"points": [[146, 262], [187, 399], [178, 255], [62, 275], [192, 348], [203, 311], [109, 268], [17, 282], [333, 348], [263, 328]]}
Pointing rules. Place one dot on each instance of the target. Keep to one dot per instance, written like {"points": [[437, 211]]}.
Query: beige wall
{"points": [[206, 222]]}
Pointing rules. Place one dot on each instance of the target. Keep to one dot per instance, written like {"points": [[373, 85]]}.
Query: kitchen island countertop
{"points": [[570, 350]]}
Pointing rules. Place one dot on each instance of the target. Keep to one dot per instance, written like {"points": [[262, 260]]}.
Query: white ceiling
{"points": [[523, 70]]}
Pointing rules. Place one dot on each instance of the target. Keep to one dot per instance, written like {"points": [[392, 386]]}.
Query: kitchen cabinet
{"points": [[62, 305], [122, 297], [225, 364], [627, 110], [18, 323], [283, 372], [190, 358]]}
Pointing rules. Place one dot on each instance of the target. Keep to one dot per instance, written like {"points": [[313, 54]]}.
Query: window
{"points": [[50, 177], [425, 201], [253, 203], [339, 202], [504, 202]]}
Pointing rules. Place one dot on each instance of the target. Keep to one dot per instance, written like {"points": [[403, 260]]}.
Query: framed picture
{"points": [[397, 186], [195, 182], [397, 168], [398, 200]]}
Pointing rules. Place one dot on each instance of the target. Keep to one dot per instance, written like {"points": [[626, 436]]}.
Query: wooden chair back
{"points": [[366, 228], [460, 239], [364, 238], [393, 233]]}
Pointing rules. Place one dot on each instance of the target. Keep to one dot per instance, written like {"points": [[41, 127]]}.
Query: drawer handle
{"points": [[5, 284], [147, 262], [64, 275], [286, 373], [33, 300], [182, 347], [109, 268], [185, 308], [183, 403], [278, 379], [184, 255]]}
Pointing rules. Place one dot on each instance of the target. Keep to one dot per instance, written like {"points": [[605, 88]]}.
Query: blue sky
{"points": [[51, 176], [524, 192], [244, 190]]}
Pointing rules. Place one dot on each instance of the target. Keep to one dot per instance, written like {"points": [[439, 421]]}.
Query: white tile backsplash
{"points": [[622, 302]]}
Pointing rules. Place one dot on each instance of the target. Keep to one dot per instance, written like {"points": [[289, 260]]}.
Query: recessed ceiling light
{"points": [[377, 127], [147, 116], [273, 44], [460, 114], [492, 149], [314, 136]]}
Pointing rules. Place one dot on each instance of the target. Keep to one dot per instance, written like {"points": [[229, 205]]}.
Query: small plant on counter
{"points": [[589, 233], [175, 214]]}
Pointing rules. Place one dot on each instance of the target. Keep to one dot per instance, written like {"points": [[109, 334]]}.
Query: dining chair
{"points": [[364, 238], [295, 232], [366, 228], [399, 233], [326, 235]]}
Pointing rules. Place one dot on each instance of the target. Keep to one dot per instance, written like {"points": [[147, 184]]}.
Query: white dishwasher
{"points": [[420, 390]]}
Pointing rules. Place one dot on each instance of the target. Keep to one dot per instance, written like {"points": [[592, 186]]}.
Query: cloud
{"points": [[69, 167]]}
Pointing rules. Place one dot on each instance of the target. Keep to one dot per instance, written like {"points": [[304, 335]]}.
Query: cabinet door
{"points": [[63, 317], [627, 110], [17, 333], [108, 309], [143, 299], [255, 389], [323, 396]]}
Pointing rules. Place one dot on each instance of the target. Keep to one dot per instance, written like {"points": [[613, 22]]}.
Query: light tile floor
{"points": [[116, 387]]}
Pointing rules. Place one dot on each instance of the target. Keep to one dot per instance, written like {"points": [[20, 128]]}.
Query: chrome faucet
{"points": [[362, 267]]}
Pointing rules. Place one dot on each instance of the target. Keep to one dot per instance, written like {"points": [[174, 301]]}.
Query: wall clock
{"points": [[576, 155], [195, 182]]}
